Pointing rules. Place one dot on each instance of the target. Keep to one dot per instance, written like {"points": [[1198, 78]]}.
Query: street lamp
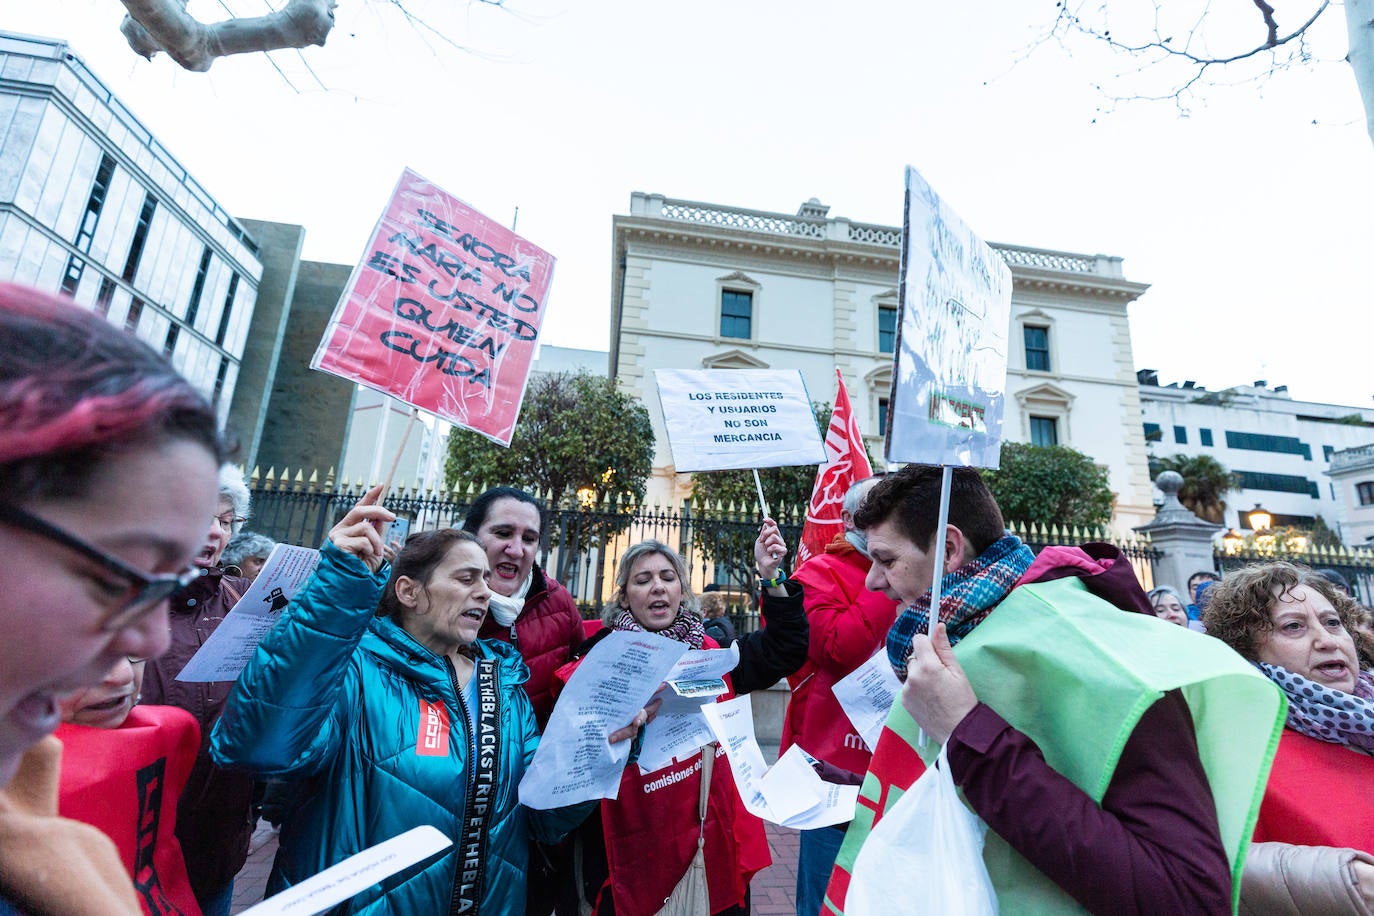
{"points": [[1260, 519], [1232, 542]]}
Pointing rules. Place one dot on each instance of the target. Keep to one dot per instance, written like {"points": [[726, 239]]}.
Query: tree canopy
{"points": [[1051, 484], [1205, 483], [578, 433]]}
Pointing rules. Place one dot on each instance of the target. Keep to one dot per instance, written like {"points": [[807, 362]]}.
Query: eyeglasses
{"points": [[144, 592], [228, 520]]}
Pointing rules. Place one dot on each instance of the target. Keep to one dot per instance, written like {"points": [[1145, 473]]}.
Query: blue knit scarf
{"points": [[967, 595]]}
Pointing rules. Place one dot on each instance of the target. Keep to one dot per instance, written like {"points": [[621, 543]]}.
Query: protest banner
{"points": [[736, 419], [949, 388], [846, 462], [443, 311]]}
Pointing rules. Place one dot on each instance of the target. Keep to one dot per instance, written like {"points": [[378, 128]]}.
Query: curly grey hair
{"points": [[246, 544], [232, 488]]}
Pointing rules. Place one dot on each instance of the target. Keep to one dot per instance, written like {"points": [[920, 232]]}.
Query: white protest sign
{"points": [[733, 419], [866, 695], [949, 388], [359, 871], [223, 656], [575, 762]]}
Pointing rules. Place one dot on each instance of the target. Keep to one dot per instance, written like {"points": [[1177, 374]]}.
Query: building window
{"points": [[228, 310], [1262, 442], [1044, 431], [1153, 433], [736, 314], [1037, 348], [1277, 483], [1365, 492], [145, 219], [198, 288], [882, 415], [1327, 451], [135, 312], [105, 296], [1204, 436], [1181, 435], [887, 329]]}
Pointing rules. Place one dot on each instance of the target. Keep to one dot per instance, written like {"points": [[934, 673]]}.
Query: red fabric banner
{"points": [[443, 312], [847, 462]]}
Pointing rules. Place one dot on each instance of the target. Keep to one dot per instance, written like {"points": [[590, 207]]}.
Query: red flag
{"points": [[848, 463]]}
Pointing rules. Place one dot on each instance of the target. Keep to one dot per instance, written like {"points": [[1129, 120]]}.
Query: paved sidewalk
{"points": [[774, 888]]}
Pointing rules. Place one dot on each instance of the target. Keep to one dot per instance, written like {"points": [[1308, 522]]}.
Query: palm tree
{"points": [[1205, 482]]}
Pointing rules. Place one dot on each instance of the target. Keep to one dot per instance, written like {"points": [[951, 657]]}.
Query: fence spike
{"points": [[300, 478], [271, 477], [314, 478], [257, 475]]}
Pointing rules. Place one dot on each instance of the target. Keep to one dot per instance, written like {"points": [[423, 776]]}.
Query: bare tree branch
{"points": [[1269, 20], [165, 25]]}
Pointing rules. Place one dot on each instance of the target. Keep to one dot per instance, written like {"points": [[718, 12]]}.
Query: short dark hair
{"points": [[477, 512], [75, 389], [911, 498], [1204, 575], [1238, 612], [421, 555]]}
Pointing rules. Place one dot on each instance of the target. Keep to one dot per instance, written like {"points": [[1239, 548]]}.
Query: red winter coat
{"points": [[650, 833], [126, 781], [1319, 794], [848, 624], [546, 633]]}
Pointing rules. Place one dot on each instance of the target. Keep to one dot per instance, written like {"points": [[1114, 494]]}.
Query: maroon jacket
{"points": [[1154, 845], [546, 633], [214, 815]]}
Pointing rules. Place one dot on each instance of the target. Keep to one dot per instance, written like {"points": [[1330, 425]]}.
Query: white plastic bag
{"points": [[924, 857]]}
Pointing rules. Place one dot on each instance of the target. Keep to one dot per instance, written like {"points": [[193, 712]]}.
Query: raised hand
{"points": [[360, 531], [769, 549]]}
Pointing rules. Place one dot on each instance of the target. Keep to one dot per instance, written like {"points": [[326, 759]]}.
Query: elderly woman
{"points": [[1168, 605], [643, 843], [372, 690], [1315, 835], [107, 466], [247, 551]]}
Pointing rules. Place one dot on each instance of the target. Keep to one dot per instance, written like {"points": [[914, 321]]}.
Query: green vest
{"points": [[1075, 674]]}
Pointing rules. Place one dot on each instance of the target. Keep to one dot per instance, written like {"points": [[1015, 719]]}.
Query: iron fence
{"points": [[582, 544], [1355, 565]]}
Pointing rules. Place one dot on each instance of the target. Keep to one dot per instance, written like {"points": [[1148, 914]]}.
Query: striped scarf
{"points": [[967, 595]]}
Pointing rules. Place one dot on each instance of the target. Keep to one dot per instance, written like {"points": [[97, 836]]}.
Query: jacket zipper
{"points": [[471, 775]]}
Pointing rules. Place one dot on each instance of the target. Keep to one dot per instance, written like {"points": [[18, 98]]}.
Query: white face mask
{"points": [[505, 611], [858, 540]]}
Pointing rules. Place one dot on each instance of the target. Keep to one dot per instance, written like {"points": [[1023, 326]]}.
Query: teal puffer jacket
{"points": [[332, 698]]}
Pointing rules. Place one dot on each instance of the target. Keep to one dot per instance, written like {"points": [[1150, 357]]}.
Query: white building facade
{"points": [[1279, 449], [1352, 477], [706, 286], [93, 206]]}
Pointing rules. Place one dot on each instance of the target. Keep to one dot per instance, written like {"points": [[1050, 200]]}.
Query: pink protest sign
{"points": [[443, 312]]}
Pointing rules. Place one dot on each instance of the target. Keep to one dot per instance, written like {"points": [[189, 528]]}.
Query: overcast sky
{"points": [[1251, 217]]}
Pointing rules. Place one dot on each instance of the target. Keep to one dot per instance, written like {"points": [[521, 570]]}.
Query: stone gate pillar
{"points": [[1183, 540]]}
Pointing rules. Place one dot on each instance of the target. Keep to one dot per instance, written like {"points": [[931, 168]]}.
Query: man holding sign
{"points": [[1097, 742]]}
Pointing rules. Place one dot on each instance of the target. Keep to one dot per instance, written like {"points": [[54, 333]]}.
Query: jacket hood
{"points": [[391, 644], [1104, 569]]}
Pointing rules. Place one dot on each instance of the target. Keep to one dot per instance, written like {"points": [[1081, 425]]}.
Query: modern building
{"points": [[92, 205], [699, 285], [1280, 450]]}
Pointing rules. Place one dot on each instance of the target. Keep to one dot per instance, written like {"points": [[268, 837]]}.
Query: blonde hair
{"points": [[627, 564]]}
